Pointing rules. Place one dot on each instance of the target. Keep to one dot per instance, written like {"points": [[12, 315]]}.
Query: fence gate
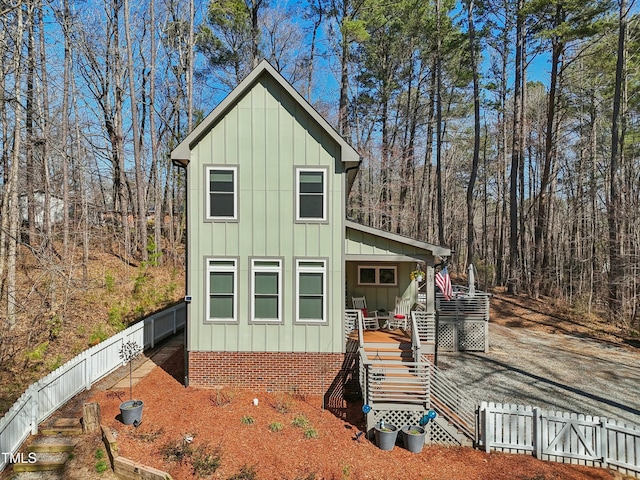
{"points": [[569, 435]]}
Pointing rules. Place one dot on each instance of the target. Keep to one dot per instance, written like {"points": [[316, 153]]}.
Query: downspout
{"points": [[344, 236], [182, 164]]}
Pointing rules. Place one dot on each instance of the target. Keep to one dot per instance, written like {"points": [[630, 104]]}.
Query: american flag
{"points": [[443, 281]]}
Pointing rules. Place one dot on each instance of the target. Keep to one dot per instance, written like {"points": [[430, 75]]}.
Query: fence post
{"points": [[153, 333], [603, 431], [34, 408], [87, 369], [537, 432], [486, 426]]}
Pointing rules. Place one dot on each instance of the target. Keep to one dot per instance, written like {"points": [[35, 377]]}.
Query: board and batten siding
{"points": [[266, 134], [363, 248]]}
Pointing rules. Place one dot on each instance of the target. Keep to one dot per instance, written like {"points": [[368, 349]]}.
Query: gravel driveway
{"points": [[552, 371]]}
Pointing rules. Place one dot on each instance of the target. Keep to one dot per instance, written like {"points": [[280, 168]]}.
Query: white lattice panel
{"points": [[437, 434], [462, 336], [447, 337], [471, 336]]}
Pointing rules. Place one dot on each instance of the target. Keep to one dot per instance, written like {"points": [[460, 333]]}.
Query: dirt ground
{"points": [[289, 438]]}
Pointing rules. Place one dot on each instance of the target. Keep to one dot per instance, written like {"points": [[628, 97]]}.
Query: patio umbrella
{"points": [[472, 280]]}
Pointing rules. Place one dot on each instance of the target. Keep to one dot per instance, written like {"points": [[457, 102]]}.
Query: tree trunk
{"points": [[613, 206], [516, 153], [476, 136], [137, 142], [66, 19], [11, 186]]}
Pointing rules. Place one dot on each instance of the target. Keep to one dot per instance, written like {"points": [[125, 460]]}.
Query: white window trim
{"points": [[208, 215], [259, 268], [307, 269], [325, 188], [222, 268], [377, 269]]}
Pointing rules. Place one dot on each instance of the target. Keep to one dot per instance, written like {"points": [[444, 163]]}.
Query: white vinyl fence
{"points": [[560, 436], [48, 394]]}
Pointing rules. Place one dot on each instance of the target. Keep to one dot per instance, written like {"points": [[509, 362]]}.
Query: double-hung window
{"points": [[311, 194], [311, 288], [222, 189], [222, 288], [266, 290]]}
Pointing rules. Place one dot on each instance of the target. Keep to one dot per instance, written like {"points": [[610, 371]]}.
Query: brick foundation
{"points": [[303, 373]]}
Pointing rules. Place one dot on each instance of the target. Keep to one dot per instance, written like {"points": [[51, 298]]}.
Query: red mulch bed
{"points": [[218, 422]]}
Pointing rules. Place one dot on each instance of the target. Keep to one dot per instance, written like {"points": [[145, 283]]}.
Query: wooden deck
{"points": [[382, 336]]}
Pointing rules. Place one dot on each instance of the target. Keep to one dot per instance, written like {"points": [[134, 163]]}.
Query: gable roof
{"points": [[182, 152], [394, 237]]}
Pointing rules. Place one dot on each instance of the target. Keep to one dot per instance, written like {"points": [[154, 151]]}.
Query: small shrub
{"points": [[55, 363], [282, 402], [140, 281], [109, 282], [101, 466], [176, 451], [245, 473], [99, 455], [310, 476], [247, 420], [116, 316], [205, 463], [275, 426], [221, 397], [55, 327], [300, 421], [37, 354], [97, 336], [151, 436], [310, 433]]}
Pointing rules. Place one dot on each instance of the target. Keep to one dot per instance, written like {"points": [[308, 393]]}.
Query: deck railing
{"points": [[48, 394]]}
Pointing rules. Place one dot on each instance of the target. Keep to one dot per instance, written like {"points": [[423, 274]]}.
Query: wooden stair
{"points": [[398, 386], [50, 451]]}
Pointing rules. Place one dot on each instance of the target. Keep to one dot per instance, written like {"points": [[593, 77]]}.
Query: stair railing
{"points": [[426, 325], [400, 384], [451, 403], [415, 339]]}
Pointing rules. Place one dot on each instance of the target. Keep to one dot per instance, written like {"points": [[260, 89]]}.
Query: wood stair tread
{"points": [[50, 447], [48, 431], [39, 466]]}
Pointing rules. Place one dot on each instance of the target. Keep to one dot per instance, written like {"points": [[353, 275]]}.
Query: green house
{"points": [[272, 262]]}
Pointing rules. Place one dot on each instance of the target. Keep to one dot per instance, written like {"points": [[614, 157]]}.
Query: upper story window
{"points": [[311, 201], [222, 189]]}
